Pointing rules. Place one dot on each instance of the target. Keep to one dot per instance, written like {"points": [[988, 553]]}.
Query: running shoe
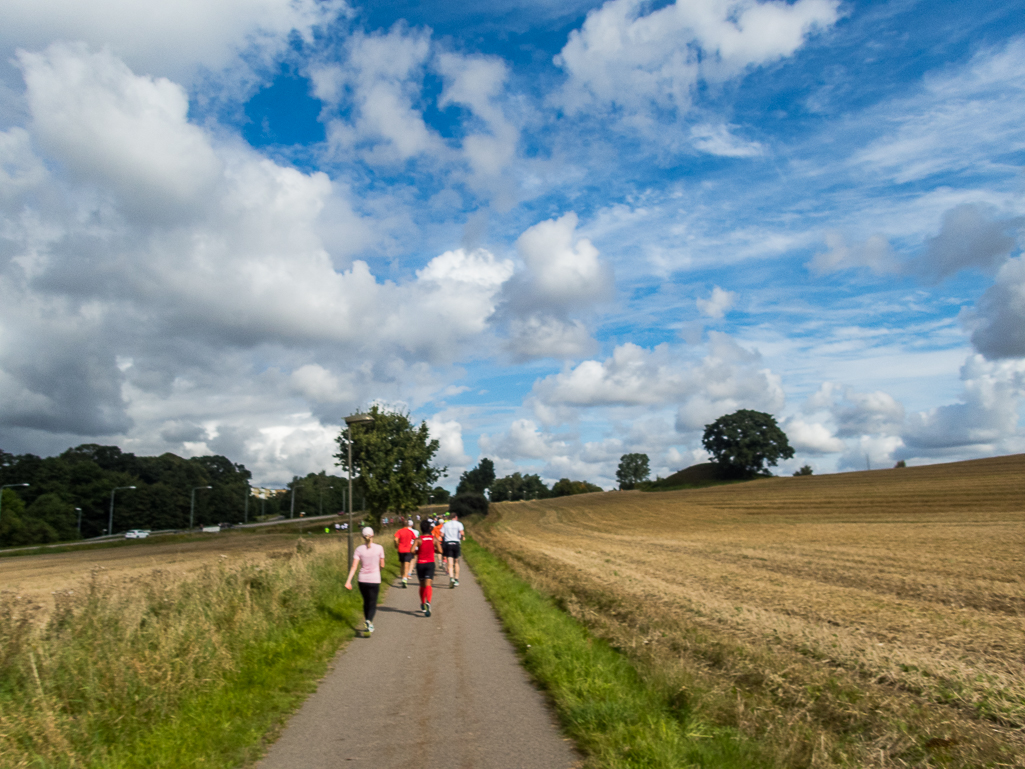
{"points": [[455, 582], [427, 609], [370, 627], [404, 582]]}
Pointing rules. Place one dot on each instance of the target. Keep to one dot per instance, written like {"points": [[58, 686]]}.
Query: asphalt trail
{"points": [[439, 691]]}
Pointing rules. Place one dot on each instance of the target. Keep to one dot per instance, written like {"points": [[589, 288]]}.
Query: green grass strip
{"points": [[228, 726], [618, 719]]}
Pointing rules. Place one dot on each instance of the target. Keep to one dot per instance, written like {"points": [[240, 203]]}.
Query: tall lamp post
{"points": [[110, 521], [12, 485], [79, 511], [355, 419], [192, 507], [322, 498]]}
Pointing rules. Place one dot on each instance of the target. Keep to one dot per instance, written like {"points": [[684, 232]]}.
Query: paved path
{"points": [[440, 691]]}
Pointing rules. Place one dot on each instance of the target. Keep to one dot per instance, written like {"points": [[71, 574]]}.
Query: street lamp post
{"points": [[291, 510], [9, 486], [355, 419], [110, 521], [192, 507], [79, 511], [322, 498]]}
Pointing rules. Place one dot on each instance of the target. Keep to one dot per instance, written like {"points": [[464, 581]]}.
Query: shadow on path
{"points": [[379, 707]]}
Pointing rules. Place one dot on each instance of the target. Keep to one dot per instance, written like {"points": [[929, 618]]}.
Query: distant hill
{"points": [[695, 476]]}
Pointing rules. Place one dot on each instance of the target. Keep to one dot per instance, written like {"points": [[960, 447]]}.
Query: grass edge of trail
{"points": [[233, 724], [618, 720]]}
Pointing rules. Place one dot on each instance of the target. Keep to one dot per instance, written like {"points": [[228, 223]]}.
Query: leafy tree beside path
{"points": [[391, 461]]}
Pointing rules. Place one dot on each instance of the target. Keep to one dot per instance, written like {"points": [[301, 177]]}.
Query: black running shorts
{"points": [[406, 557], [425, 571], [450, 549]]}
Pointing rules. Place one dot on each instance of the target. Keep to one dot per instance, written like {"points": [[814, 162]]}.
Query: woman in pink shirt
{"points": [[369, 559]]}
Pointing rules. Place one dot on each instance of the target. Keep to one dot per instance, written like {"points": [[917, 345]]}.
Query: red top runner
{"points": [[426, 553], [406, 536]]}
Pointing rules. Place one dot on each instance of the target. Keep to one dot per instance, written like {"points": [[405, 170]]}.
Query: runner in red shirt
{"points": [[427, 546], [404, 539]]}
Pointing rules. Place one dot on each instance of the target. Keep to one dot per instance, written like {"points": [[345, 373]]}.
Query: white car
{"points": [[136, 534]]}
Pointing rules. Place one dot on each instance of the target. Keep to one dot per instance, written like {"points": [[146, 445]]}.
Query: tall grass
{"points": [[618, 719], [121, 667]]}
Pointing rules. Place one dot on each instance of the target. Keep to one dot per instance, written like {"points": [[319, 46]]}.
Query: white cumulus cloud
{"points": [[728, 378], [563, 271], [166, 37], [630, 56]]}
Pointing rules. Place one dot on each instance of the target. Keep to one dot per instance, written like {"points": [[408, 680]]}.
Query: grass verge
{"points": [[193, 673], [617, 718]]}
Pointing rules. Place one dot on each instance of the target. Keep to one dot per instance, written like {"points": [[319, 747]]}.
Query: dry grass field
{"points": [[40, 577], [114, 656], [861, 619]]}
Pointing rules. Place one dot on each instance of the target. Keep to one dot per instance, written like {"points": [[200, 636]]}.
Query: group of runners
{"points": [[436, 539]]}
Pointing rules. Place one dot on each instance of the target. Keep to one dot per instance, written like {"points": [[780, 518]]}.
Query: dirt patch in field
{"points": [[39, 576], [861, 619]]}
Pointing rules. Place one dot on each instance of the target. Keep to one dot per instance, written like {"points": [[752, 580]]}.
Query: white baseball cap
{"points": [[367, 531]]}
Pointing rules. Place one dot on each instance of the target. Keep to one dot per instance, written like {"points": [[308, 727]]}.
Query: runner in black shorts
{"points": [[451, 550], [452, 534], [426, 545], [405, 538]]}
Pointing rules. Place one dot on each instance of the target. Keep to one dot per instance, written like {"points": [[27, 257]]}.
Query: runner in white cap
{"points": [[369, 559]]}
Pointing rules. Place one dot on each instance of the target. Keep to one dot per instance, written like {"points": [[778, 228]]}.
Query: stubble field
{"points": [[861, 619], [39, 577]]}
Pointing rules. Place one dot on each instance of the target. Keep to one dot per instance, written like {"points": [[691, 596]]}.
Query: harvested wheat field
{"points": [[39, 577], [859, 619]]}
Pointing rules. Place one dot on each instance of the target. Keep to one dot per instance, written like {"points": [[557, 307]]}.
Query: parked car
{"points": [[136, 534]]}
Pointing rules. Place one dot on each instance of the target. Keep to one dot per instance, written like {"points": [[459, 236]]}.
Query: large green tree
{"points": [[478, 480], [633, 469], [391, 458], [744, 442]]}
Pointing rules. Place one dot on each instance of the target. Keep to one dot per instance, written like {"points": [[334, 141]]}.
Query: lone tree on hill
{"points": [[743, 442], [633, 469], [393, 459]]}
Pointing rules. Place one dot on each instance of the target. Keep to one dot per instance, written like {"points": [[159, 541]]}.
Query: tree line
{"points": [[68, 496], [481, 480]]}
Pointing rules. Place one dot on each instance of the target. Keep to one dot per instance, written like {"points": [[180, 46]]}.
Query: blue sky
{"points": [[557, 232]]}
